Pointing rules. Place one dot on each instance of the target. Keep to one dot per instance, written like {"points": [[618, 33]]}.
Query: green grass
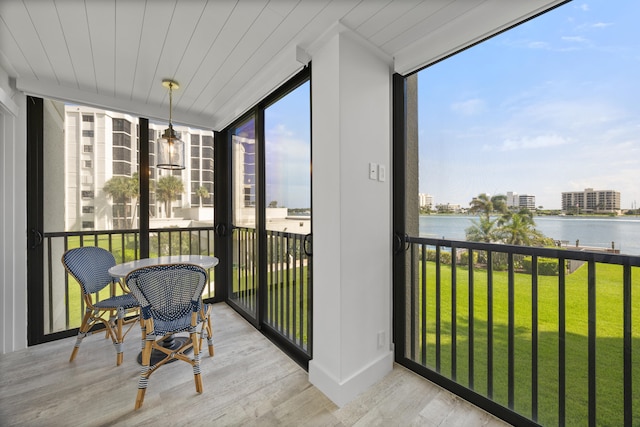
{"points": [[288, 300], [609, 346]]}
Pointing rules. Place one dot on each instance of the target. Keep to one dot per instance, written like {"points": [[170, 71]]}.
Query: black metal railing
{"points": [[520, 333], [289, 288], [64, 306], [245, 270], [288, 279]]}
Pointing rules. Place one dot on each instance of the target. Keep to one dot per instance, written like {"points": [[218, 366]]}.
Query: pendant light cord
{"points": [[170, 104]]}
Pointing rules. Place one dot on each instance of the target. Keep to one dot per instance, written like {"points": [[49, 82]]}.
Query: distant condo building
{"points": [[515, 200], [425, 200], [591, 200], [448, 208]]}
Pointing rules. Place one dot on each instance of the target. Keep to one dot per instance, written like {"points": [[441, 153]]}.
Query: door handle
{"points": [[308, 245], [37, 238], [401, 243], [220, 229]]}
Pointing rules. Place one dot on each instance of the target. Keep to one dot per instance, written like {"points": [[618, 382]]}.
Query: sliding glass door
{"points": [[244, 284], [271, 264]]}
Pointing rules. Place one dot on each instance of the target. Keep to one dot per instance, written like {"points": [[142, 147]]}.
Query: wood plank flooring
{"points": [[249, 382]]}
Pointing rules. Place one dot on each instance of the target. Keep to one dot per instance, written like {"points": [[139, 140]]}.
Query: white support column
{"points": [[352, 244], [13, 214]]}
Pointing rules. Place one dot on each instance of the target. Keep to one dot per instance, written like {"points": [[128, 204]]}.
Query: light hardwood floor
{"points": [[249, 382]]}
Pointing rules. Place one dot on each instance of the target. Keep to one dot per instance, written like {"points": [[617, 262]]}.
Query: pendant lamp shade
{"points": [[170, 147]]}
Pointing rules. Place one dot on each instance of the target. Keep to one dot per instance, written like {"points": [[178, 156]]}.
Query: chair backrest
{"points": [[89, 265], [168, 292]]}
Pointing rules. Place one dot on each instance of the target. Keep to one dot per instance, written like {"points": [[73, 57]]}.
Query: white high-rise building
{"points": [[520, 201], [425, 200], [512, 199], [100, 145]]}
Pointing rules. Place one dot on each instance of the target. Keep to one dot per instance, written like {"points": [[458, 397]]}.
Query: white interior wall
{"points": [[13, 217], [351, 116]]}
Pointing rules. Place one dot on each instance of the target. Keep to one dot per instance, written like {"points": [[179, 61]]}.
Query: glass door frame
{"points": [[35, 225], [224, 225]]}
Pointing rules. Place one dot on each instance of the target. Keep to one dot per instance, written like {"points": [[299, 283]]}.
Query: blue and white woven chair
{"points": [[89, 266], [170, 297]]}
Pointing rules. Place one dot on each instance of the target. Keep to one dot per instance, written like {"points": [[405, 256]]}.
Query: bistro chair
{"points": [[89, 266], [170, 297]]}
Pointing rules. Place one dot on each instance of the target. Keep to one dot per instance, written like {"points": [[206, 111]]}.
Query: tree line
{"points": [[496, 223], [123, 189]]}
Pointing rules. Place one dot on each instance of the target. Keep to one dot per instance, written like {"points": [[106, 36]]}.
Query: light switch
{"points": [[373, 171], [382, 173]]}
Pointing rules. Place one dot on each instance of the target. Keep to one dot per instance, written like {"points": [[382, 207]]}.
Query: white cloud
{"points": [[602, 24], [584, 7], [576, 39], [469, 107], [538, 45], [526, 143]]}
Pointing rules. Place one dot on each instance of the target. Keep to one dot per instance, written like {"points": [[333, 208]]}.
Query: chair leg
{"points": [[144, 373], [143, 331], [210, 337], [118, 336], [206, 329], [82, 332], [196, 362]]}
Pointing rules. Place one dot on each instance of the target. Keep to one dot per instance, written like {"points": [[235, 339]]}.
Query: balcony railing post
{"points": [[592, 341], [628, 342], [511, 333], [534, 337], [562, 335]]}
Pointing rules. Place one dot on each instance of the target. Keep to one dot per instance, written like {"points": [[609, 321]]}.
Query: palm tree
{"points": [[519, 229], [485, 205], [483, 230], [168, 188], [202, 193], [121, 188]]}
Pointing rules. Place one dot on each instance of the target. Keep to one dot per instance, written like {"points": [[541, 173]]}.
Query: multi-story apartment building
{"points": [[591, 200], [449, 208], [520, 201], [425, 200], [100, 145], [512, 199], [527, 201]]}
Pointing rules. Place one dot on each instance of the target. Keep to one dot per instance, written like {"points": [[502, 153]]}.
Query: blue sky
{"points": [[287, 151], [550, 106]]}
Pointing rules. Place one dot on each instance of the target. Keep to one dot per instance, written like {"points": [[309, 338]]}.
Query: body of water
{"points": [[624, 232]]}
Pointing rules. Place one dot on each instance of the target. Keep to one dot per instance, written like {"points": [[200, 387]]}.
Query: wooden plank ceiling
{"points": [[226, 54]]}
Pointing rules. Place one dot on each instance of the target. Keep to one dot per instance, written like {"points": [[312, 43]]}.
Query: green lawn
{"points": [[609, 347]]}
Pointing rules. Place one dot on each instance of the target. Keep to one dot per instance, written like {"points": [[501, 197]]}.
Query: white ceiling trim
{"points": [[441, 44], [153, 112], [279, 71], [341, 28], [8, 104]]}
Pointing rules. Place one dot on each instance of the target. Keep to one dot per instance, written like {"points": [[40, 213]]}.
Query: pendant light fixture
{"points": [[170, 147]]}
